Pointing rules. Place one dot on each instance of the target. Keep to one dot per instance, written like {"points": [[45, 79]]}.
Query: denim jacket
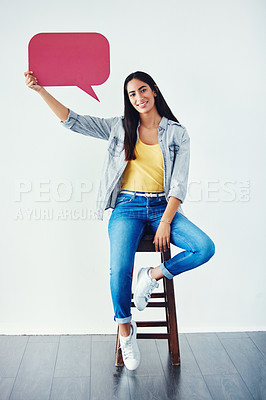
{"points": [[174, 143]]}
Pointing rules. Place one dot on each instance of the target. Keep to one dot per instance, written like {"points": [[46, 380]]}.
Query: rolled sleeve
{"points": [[179, 177], [88, 125], [72, 118]]}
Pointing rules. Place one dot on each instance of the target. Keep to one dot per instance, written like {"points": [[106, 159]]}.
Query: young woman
{"points": [[144, 181]]}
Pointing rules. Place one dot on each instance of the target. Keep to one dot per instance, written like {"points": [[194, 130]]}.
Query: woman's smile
{"points": [[142, 105]]}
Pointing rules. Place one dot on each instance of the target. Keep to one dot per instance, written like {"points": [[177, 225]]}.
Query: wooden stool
{"points": [[168, 302]]}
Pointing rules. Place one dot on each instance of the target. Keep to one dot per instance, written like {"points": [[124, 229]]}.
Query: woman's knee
{"points": [[120, 274], [207, 248]]}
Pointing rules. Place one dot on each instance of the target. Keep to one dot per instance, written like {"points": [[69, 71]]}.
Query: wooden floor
{"points": [[213, 366]]}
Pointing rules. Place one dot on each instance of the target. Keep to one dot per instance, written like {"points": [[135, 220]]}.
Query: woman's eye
{"points": [[143, 90]]}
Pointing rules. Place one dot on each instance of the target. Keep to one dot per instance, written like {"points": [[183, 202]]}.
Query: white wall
{"points": [[207, 58]]}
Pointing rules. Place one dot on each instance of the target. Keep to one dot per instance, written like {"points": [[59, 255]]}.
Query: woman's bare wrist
{"points": [[41, 89]]}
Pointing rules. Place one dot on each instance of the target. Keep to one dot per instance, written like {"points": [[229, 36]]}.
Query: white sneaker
{"points": [[129, 348], [144, 288]]}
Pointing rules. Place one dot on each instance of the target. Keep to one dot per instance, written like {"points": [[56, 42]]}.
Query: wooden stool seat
{"points": [[167, 301]]}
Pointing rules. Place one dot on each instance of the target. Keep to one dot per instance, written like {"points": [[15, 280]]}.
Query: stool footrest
{"points": [[153, 336], [146, 324], [156, 295], [154, 304]]}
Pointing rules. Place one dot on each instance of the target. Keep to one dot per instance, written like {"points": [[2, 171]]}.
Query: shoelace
{"points": [[126, 347], [127, 350], [148, 293]]}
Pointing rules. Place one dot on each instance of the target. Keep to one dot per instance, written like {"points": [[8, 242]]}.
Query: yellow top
{"points": [[146, 172]]}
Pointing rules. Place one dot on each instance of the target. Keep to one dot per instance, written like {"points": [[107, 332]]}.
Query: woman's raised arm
{"points": [[59, 109], [84, 124]]}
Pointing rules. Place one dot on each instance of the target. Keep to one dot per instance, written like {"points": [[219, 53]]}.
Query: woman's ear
{"points": [[156, 90]]}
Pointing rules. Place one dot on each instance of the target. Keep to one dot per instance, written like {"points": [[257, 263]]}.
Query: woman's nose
{"points": [[139, 99]]}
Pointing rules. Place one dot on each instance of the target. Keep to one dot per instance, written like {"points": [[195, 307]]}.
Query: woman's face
{"points": [[141, 96]]}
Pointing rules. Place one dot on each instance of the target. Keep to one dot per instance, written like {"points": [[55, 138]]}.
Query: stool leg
{"points": [[170, 310], [118, 358], [172, 322], [167, 313]]}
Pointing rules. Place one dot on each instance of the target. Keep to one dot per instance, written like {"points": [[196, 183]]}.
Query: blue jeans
{"points": [[133, 216]]}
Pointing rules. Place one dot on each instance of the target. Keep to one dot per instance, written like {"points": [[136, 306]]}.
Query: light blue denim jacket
{"points": [[174, 143]]}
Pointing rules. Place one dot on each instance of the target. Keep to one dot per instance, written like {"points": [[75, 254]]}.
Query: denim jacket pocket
{"points": [[116, 146], [173, 150]]}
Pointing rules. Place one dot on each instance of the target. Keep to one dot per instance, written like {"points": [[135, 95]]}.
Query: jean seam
{"points": [[185, 240]]}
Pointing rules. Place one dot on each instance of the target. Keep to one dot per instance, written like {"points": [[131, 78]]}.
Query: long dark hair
{"points": [[131, 115]]}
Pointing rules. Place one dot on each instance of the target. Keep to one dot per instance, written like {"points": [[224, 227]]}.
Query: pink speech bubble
{"points": [[70, 59]]}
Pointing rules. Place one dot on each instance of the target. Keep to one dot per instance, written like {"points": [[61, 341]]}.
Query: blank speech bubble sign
{"points": [[70, 59]]}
